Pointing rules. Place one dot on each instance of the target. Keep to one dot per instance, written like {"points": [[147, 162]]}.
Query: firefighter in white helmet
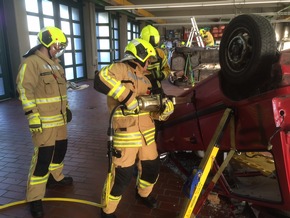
{"points": [[41, 85], [134, 130]]}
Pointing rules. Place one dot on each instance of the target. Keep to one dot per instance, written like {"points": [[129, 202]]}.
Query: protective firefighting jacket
{"points": [[41, 85], [159, 70], [208, 39], [122, 83]]}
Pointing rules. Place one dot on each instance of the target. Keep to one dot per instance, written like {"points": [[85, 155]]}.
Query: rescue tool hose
{"points": [[111, 152], [5, 206]]}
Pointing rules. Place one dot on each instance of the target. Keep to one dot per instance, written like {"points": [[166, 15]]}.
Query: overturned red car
{"points": [[254, 84]]}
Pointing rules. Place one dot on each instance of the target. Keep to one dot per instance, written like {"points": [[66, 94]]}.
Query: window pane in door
{"points": [[102, 18], [47, 8], [104, 44], [48, 22], [31, 6], [75, 14], [116, 44], [63, 10], [76, 29], [79, 58], [69, 73], [102, 31], [33, 23], [68, 58], [65, 27], [104, 57], [78, 44], [80, 72], [116, 35]]}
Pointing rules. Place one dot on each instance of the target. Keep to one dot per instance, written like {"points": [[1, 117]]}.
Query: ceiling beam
{"points": [[140, 12], [207, 16], [212, 23], [130, 6]]}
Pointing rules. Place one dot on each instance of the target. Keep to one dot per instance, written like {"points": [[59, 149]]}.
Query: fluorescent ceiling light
{"points": [[190, 24], [194, 4]]}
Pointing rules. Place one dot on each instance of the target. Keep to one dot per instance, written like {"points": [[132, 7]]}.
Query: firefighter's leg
{"points": [[148, 169], [148, 177], [38, 173], [56, 165], [121, 177]]}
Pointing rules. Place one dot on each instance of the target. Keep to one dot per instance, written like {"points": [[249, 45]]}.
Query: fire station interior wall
{"points": [[90, 38], [18, 35]]}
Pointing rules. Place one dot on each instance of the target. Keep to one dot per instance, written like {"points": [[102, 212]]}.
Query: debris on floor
{"points": [[216, 206], [73, 86]]}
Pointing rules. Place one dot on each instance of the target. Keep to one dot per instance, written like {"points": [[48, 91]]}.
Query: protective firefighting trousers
{"points": [[123, 168], [49, 151]]}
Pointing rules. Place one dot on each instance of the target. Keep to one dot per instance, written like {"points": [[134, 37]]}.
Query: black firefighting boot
{"points": [[66, 181], [148, 201], [36, 209], [105, 215]]}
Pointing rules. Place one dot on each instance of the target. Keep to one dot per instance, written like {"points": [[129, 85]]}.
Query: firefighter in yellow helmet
{"points": [[207, 37], [159, 69], [133, 128], [41, 85]]}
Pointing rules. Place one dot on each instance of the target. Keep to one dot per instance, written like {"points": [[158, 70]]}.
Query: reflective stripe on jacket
{"points": [[41, 85], [120, 80], [160, 67]]}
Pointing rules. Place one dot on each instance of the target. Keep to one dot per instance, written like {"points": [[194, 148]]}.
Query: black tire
{"points": [[247, 51]]}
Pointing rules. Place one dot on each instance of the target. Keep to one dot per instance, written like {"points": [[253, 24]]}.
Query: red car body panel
{"points": [[262, 122]]}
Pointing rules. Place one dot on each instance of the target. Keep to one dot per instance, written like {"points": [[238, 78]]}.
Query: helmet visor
{"points": [[60, 47]]}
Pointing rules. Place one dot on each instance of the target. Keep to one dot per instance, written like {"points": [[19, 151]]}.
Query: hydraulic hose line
{"points": [[5, 206]]}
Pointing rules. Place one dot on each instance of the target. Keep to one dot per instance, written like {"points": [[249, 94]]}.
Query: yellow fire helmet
{"points": [[50, 35], [139, 49], [202, 32], [150, 34]]}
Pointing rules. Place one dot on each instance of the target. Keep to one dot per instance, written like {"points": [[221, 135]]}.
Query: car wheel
{"points": [[247, 51]]}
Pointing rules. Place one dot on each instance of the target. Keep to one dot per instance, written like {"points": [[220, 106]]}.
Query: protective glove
{"points": [[133, 106], [35, 125], [169, 108]]}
